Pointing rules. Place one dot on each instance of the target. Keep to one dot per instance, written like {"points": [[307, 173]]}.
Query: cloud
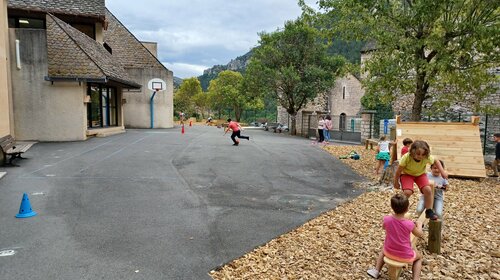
{"points": [[194, 33], [184, 70]]}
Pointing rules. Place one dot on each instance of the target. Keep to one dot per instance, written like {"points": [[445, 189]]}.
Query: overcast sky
{"points": [[194, 35]]}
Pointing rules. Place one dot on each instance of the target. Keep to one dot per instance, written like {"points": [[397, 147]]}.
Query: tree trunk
{"points": [[237, 115], [293, 126], [420, 93]]}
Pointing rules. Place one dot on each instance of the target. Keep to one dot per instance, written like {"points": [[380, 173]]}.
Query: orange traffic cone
{"points": [[182, 129], [190, 123]]}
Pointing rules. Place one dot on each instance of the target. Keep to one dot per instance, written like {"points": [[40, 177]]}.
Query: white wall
{"points": [[136, 111], [43, 111]]}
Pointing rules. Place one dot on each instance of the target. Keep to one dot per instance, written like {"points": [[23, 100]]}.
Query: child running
{"points": [[441, 185], [397, 244], [412, 169], [236, 128]]}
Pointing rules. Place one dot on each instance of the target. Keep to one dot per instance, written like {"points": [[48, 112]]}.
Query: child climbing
{"points": [[441, 185], [412, 169], [383, 154]]}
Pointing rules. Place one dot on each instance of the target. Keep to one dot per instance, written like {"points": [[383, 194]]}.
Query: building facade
{"points": [[69, 77]]}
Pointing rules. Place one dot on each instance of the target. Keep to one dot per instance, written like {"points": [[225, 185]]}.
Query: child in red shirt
{"points": [[406, 146], [236, 128]]}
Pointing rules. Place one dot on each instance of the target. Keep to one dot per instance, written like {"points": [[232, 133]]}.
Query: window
{"points": [[12, 22], [108, 48], [102, 111], [94, 112], [23, 22], [87, 29], [343, 92]]}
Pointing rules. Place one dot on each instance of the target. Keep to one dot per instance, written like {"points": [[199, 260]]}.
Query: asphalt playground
{"points": [[158, 204]]}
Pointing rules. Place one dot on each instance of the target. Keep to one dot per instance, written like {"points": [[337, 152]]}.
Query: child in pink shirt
{"points": [[397, 244]]}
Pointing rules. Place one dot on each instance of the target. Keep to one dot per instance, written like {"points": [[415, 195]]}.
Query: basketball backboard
{"points": [[157, 84]]}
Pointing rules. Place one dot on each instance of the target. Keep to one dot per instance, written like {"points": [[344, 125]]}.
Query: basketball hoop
{"points": [[157, 85]]}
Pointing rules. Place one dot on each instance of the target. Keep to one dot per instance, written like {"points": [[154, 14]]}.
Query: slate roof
{"points": [[87, 8], [126, 47], [74, 55]]}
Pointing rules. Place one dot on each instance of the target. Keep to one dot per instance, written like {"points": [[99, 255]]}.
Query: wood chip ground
{"points": [[344, 242]]}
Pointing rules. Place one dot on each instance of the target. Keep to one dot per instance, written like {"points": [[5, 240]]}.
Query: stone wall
{"points": [[319, 105], [345, 96], [367, 125]]}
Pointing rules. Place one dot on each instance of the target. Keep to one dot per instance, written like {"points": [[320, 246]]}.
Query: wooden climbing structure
{"points": [[458, 144]]}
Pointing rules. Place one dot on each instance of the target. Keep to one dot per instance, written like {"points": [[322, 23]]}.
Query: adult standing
{"points": [[236, 128], [321, 126], [328, 127]]}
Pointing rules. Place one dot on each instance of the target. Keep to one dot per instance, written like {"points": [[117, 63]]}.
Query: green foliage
{"points": [[430, 49], [200, 103], [183, 97], [226, 91], [292, 65]]}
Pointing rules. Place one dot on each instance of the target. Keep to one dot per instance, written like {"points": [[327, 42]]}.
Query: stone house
{"points": [[70, 73], [342, 102]]}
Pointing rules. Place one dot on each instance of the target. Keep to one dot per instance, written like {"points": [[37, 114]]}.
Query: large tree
{"points": [[227, 91], [183, 98], [438, 50], [293, 66]]}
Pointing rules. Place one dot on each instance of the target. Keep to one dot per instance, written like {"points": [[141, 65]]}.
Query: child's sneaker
{"points": [[373, 273], [429, 214]]}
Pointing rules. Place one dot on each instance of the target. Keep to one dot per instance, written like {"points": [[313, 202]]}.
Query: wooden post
{"points": [[475, 120], [434, 243]]}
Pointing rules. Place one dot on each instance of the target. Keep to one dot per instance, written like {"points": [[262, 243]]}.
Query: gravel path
{"points": [[343, 243]]}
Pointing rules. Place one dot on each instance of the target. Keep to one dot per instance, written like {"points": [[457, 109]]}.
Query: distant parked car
{"points": [[282, 128]]}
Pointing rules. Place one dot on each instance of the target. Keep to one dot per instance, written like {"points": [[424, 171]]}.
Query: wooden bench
{"points": [[9, 147]]}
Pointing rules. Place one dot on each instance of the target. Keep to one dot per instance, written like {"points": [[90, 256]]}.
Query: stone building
{"points": [[343, 103], [68, 77]]}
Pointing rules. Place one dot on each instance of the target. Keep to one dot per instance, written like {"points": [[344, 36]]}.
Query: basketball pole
{"points": [[151, 105]]}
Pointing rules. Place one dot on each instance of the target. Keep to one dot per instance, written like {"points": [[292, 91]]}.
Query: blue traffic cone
{"points": [[25, 210]]}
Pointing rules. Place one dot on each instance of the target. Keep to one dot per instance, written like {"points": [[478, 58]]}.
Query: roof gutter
{"points": [[125, 84]]}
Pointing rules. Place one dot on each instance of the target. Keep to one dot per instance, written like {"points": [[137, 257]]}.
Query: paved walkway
{"points": [[156, 204]]}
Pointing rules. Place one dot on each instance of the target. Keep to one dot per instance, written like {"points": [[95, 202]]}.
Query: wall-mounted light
{"points": [[25, 21]]}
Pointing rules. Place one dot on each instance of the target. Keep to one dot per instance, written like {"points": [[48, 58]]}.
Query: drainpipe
{"points": [[151, 105]]}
